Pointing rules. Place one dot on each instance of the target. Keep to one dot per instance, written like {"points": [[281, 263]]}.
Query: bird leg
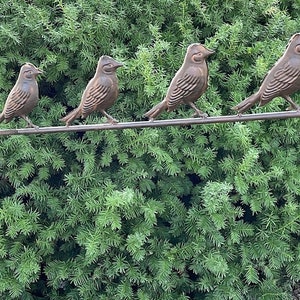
{"points": [[29, 123], [110, 119], [198, 112], [293, 105]]}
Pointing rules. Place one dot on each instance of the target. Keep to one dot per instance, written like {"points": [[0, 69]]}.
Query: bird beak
{"points": [[39, 71], [118, 64], [209, 52]]}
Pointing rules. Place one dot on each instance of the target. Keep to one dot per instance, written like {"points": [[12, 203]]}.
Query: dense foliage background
{"points": [[199, 212]]}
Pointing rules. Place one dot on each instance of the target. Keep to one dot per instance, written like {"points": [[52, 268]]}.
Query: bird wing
{"points": [[183, 88], [16, 100], [283, 80], [95, 96]]}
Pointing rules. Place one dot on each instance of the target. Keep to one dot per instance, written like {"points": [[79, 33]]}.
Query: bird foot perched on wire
{"points": [[29, 123], [292, 107], [32, 126], [112, 121], [200, 114]]}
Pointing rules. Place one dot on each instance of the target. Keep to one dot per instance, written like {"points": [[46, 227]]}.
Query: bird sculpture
{"points": [[100, 93], [281, 81], [24, 95], [188, 84]]}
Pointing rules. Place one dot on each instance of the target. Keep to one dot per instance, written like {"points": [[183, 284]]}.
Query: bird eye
{"points": [[297, 48], [197, 56]]}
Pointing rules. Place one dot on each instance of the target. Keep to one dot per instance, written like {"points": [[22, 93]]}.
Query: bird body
{"points": [[100, 93], [24, 95], [188, 84], [281, 81]]}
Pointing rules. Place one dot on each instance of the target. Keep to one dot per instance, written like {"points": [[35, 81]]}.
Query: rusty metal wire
{"points": [[156, 123]]}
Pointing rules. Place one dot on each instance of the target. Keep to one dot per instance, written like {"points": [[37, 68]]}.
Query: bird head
{"points": [[198, 52], [108, 65], [30, 71], [293, 46]]}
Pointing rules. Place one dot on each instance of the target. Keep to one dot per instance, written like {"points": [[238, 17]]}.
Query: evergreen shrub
{"points": [[187, 212]]}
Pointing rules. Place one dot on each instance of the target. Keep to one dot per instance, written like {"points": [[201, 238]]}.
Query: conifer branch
{"points": [[287, 225], [156, 123]]}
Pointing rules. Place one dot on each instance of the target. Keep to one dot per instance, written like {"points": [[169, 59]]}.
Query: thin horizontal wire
{"points": [[155, 123]]}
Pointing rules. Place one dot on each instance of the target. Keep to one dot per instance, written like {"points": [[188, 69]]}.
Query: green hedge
{"points": [[197, 212]]}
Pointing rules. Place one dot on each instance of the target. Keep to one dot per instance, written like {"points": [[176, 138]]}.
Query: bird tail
{"points": [[71, 116], [2, 117], [156, 110], [247, 103]]}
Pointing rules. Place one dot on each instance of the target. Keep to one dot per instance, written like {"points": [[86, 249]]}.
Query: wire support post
{"points": [[156, 123]]}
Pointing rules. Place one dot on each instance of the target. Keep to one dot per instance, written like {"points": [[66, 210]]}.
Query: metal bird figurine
{"points": [[189, 83], [100, 93], [281, 81], [23, 96]]}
